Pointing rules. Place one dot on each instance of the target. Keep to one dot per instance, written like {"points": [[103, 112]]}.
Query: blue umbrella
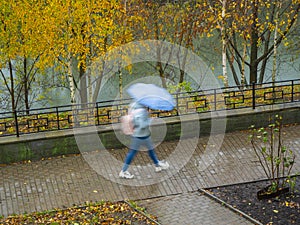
{"points": [[152, 96]]}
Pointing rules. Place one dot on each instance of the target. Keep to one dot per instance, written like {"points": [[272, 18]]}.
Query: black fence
{"points": [[109, 112]]}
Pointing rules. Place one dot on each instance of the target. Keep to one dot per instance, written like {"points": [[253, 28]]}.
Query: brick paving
{"points": [[193, 209], [91, 177]]}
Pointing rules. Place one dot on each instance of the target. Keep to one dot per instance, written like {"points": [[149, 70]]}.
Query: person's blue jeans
{"points": [[136, 143]]}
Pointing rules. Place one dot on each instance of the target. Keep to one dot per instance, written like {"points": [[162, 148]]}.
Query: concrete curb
{"points": [[141, 212]]}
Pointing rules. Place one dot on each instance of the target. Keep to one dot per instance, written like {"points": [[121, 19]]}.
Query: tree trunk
{"points": [[266, 49], [243, 77], [223, 40], [98, 83], [237, 58], [254, 45], [275, 45], [89, 77], [161, 74], [90, 86], [101, 72], [12, 87], [26, 86], [183, 64], [71, 80], [235, 76], [223, 35], [83, 86], [120, 83], [159, 65]]}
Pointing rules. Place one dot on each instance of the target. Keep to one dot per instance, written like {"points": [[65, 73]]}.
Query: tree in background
{"points": [[250, 30], [22, 43], [177, 22], [156, 21], [67, 36], [84, 31], [218, 10]]}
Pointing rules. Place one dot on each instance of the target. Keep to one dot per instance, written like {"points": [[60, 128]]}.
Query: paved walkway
{"points": [[173, 196]]}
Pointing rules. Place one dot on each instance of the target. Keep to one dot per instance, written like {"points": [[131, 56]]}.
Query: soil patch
{"points": [[284, 209]]}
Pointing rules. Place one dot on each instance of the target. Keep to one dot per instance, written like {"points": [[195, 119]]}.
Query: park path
{"points": [[74, 180]]}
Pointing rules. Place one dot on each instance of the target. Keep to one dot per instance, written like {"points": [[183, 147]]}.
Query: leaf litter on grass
{"points": [[102, 213]]}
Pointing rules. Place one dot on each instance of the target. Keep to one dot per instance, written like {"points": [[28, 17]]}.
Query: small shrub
{"points": [[275, 158]]}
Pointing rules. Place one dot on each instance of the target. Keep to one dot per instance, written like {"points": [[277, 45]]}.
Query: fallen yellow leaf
{"points": [[286, 204]]}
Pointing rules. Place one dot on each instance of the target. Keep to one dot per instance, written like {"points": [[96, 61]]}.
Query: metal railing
{"points": [[109, 112]]}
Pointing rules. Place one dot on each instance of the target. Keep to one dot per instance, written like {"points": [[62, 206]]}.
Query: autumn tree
{"points": [[177, 22], [155, 18], [84, 31], [219, 12], [191, 24], [22, 49], [65, 35], [251, 26]]}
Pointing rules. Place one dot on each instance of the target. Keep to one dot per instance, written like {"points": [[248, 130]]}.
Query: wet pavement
{"points": [[171, 195]]}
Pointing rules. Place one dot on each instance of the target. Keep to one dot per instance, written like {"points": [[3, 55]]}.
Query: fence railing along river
{"points": [[109, 112]]}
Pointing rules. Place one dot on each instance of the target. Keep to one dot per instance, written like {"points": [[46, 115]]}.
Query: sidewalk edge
{"points": [[237, 211]]}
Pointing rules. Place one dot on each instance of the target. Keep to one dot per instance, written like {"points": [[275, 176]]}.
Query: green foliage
{"points": [[273, 187], [291, 180], [276, 159], [135, 206], [181, 87]]}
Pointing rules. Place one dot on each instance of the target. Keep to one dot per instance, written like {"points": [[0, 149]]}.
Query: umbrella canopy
{"points": [[152, 96]]}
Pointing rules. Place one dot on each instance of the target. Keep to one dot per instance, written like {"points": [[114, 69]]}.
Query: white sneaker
{"points": [[162, 165], [125, 174]]}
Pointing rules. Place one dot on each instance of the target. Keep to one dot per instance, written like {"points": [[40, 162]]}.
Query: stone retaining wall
{"points": [[58, 143]]}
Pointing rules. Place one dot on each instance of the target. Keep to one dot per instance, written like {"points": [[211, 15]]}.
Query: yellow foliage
{"points": [[65, 29]]}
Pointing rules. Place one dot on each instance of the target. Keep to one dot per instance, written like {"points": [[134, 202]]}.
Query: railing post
{"points": [[215, 99], [253, 95], [16, 123], [292, 100], [57, 118], [177, 106], [97, 113]]}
